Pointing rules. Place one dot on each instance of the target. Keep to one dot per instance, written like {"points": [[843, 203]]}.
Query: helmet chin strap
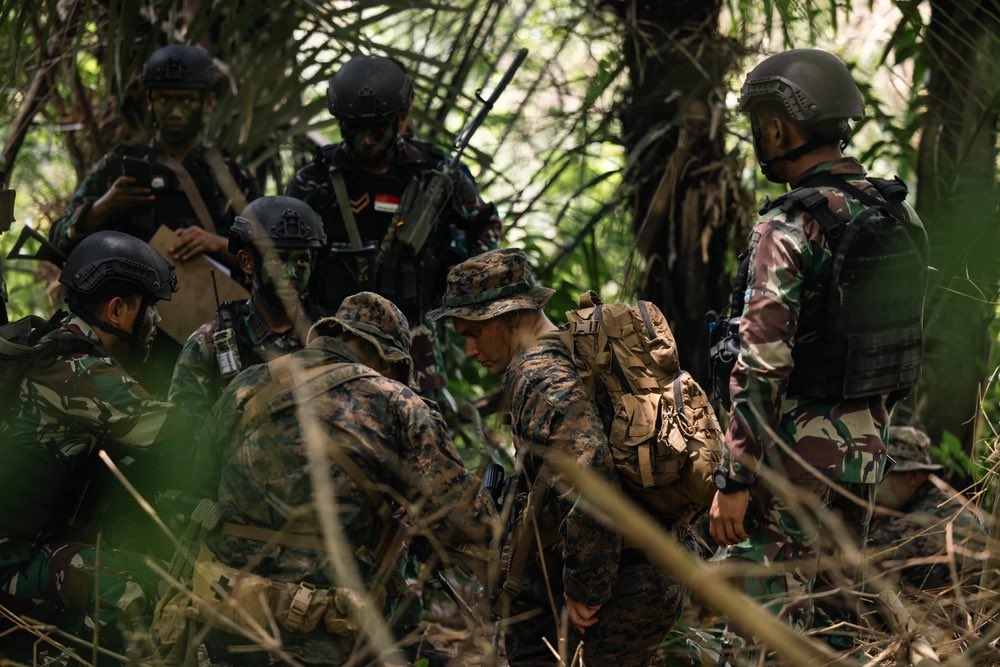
{"points": [[131, 337]]}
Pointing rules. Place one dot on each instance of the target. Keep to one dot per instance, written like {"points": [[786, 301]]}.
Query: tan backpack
{"points": [[663, 432]]}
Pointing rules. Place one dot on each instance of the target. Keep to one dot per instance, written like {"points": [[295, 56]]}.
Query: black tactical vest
{"points": [[409, 282], [865, 335]]}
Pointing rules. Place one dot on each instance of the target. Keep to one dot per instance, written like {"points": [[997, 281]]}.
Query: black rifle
{"points": [[424, 198]]}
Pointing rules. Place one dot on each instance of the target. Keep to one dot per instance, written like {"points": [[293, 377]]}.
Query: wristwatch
{"points": [[725, 484]]}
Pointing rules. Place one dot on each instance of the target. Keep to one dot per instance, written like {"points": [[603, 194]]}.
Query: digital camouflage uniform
{"points": [[197, 380], [842, 439], [921, 534], [390, 433], [171, 209], [67, 411], [467, 227], [550, 409]]}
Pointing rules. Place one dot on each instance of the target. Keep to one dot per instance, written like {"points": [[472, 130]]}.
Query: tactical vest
{"points": [[408, 281], [863, 335]]}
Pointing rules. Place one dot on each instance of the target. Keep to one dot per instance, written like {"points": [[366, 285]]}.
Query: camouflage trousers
{"points": [[789, 543], [62, 582], [644, 605]]}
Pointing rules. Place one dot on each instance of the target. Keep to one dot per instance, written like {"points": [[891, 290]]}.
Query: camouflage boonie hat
{"points": [[911, 448], [374, 319], [490, 284]]}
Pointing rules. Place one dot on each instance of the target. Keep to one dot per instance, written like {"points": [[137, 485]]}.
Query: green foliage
{"points": [[952, 455]]}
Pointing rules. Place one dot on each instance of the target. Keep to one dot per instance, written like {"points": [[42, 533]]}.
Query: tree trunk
{"points": [[688, 202], [957, 200]]}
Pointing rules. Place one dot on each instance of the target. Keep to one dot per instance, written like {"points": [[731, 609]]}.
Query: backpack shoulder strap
{"points": [[235, 198]]}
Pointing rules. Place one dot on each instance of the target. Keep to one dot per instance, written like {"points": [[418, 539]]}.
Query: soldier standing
{"points": [[174, 180], [390, 456], [815, 377], [618, 603], [275, 241], [73, 399], [356, 187]]}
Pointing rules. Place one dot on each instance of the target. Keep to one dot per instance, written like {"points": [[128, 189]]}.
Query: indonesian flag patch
{"points": [[386, 203]]}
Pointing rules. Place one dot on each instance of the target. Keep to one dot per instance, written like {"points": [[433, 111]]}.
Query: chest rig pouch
{"points": [[863, 336]]}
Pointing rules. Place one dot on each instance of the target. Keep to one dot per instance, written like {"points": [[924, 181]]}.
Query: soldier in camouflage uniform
{"points": [[799, 103], [395, 458], [618, 603], [929, 513], [180, 83], [370, 96], [73, 400], [275, 240]]}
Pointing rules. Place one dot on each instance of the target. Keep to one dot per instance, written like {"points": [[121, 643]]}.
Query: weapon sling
{"points": [[522, 546], [191, 192], [235, 198]]}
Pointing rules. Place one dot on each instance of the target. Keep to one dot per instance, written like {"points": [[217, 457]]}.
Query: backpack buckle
{"points": [[586, 327]]}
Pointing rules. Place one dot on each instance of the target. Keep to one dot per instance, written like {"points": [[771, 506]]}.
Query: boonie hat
{"points": [[490, 284]]}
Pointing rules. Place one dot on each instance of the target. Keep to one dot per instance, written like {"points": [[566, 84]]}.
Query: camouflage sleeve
{"points": [[449, 498], [66, 231], [767, 330], [478, 218], [311, 184], [194, 385], [101, 397], [562, 417]]}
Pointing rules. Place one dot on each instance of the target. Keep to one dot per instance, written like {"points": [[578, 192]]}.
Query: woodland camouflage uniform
{"points": [[397, 439], [842, 439], [921, 534], [197, 381], [551, 410], [67, 412]]}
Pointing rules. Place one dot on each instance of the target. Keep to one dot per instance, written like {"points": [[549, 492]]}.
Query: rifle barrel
{"points": [[466, 134]]}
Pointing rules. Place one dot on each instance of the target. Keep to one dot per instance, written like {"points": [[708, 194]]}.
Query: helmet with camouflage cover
{"points": [[369, 88], [285, 222], [180, 66], [107, 255], [374, 319], [811, 84]]}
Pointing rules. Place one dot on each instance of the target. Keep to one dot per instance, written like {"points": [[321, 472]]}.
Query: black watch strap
{"points": [[725, 484]]}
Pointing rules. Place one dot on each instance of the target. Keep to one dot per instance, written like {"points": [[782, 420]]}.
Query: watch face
{"points": [[720, 479]]}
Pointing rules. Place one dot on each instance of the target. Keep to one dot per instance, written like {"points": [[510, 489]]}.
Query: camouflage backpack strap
{"points": [[235, 198], [190, 191], [280, 394]]}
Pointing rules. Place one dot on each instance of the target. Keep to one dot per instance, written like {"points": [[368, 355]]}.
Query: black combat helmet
{"points": [[180, 66], [108, 255], [369, 88], [286, 222], [811, 84]]}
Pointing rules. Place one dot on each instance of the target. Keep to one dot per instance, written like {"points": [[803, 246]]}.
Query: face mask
{"points": [[370, 144], [178, 117]]}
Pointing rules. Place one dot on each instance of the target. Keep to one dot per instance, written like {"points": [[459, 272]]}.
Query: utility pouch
{"points": [[420, 207], [358, 263]]}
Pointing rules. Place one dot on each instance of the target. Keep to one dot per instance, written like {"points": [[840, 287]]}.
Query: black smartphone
{"points": [[139, 170]]}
